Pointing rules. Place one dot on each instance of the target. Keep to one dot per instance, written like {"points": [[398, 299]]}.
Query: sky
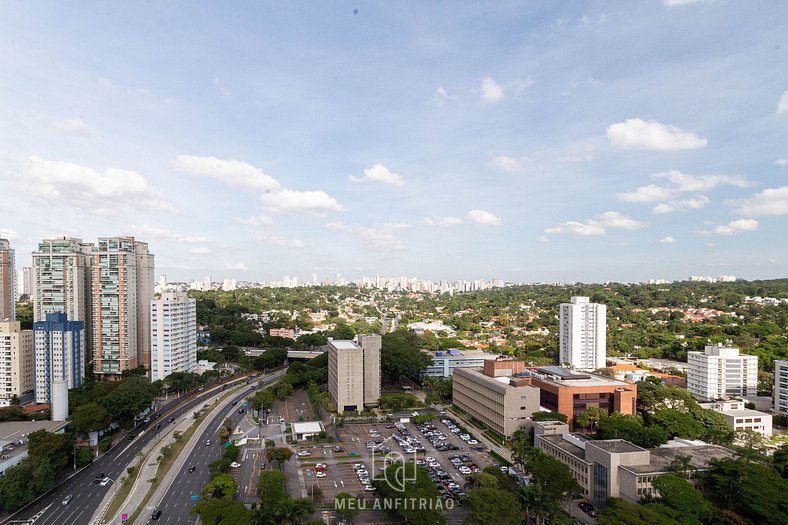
{"points": [[520, 140]]}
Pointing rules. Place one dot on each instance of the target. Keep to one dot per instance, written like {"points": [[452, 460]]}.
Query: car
{"points": [[207, 442], [67, 499], [240, 410], [171, 420], [146, 420], [192, 468], [104, 482], [304, 453], [131, 437], [320, 473], [156, 514], [235, 403], [235, 464], [100, 476]]}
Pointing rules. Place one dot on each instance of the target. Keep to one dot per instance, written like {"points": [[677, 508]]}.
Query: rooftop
{"points": [[307, 427], [15, 430], [343, 344], [560, 442], [616, 446], [662, 458], [568, 378]]}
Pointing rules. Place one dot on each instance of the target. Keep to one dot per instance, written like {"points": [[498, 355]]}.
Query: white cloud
{"points": [[781, 162], [381, 236], [443, 222], [771, 201], [235, 266], [693, 203], [650, 193], [162, 233], [233, 172], [202, 250], [596, 225], [672, 3], [313, 202], [379, 173], [637, 133], [667, 240], [255, 220], [94, 192], [587, 153], [71, 126], [543, 238], [782, 105], [491, 91], [504, 163], [614, 219], [741, 225], [484, 217], [442, 96], [575, 228], [281, 241], [678, 183], [8, 234]]}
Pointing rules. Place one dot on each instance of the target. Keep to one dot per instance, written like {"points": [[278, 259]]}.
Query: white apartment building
{"points": [[16, 361], [781, 387], [61, 279], [173, 321], [59, 354], [24, 282], [583, 336], [122, 288], [354, 373], [741, 418], [721, 371], [7, 282]]}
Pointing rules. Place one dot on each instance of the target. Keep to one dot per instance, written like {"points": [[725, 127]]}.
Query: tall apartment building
{"points": [[24, 282], [583, 336], [16, 361], [721, 371], [781, 387], [7, 280], [121, 291], [59, 354], [173, 321], [354, 373], [61, 279]]}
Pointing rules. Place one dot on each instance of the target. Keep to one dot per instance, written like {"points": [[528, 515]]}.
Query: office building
{"points": [[495, 396], [720, 371], [121, 291], [617, 468], [16, 362], [354, 373], [781, 387], [61, 280], [24, 282], [7, 282], [59, 354], [742, 418], [582, 336], [444, 363], [570, 392], [173, 321]]}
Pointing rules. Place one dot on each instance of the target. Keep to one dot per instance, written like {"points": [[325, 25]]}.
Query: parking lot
{"points": [[440, 446]]}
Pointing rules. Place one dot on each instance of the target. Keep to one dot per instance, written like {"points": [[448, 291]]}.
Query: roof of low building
{"points": [[307, 427]]}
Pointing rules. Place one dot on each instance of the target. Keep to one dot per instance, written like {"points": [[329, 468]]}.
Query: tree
{"points": [[53, 447], [400, 483], [278, 455], [33, 476], [222, 486], [677, 423], [271, 486], [589, 418], [89, 418], [619, 512], [549, 416], [401, 354], [553, 476], [535, 500], [679, 494], [492, 505], [346, 506], [289, 511], [755, 491], [223, 512], [12, 413]]}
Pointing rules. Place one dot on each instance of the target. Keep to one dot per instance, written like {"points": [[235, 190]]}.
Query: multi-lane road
{"points": [[86, 496], [179, 498]]}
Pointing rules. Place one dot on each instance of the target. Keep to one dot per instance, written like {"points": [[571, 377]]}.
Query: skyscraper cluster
{"points": [[91, 303]]}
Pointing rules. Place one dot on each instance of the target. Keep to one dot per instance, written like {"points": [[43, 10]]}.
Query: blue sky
{"points": [[523, 140]]}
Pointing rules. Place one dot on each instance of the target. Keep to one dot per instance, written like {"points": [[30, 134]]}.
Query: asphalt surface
{"points": [[179, 499], [86, 496]]}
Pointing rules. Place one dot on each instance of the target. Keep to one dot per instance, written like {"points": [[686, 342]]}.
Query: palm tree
{"points": [[289, 511], [682, 464], [534, 499]]}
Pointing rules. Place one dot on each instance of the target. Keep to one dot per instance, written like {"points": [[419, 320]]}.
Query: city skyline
{"points": [[527, 142]]}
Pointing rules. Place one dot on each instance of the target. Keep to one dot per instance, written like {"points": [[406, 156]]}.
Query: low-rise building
{"points": [[632, 374], [617, 468], [287, 333], [494, 397], [444, 363], [741, 418], [570, 392], [14, 438], [303, 430]]}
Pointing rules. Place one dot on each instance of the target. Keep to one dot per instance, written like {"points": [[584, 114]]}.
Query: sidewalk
{"points": [[148, 467]]}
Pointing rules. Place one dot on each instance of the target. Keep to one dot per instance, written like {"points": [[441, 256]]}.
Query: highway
{"points": [[177, 503], [86, 496]]}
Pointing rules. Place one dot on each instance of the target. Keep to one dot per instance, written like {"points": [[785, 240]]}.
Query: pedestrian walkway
{"points": [[149, 465]]}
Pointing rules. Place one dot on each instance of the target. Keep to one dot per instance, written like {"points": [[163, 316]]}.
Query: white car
{"points": [[303, 453], [429, 459], [472, 442], [320, 474], [104, 482], [235, 464], [465, 470]]}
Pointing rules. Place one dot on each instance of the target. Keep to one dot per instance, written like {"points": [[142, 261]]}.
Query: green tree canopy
{"points": [[492, 505]]}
